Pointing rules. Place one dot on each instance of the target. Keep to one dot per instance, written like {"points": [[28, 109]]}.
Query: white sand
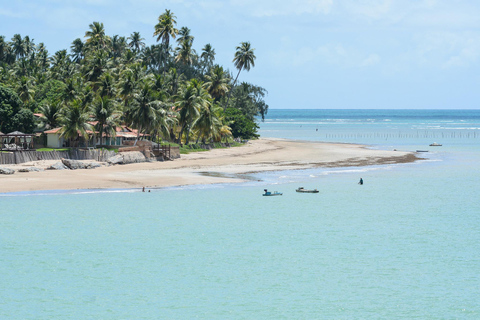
{"points": [[215, 166]]}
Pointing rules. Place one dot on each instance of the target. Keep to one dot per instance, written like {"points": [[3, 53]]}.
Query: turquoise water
{"points": [[403, 245]]}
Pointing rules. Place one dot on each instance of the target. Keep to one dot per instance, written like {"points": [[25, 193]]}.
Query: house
{"points": [[123, 133]]}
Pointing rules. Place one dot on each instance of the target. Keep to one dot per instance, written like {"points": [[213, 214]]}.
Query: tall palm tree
{"points": [[244, 59], [144, 109], [107, 115], [189, 100], [96, 37], [136, 42], [18, 46], [78, 50], [184, 35], [126, 85], [184, 53], [208, 56], [165, 28], [75, 122], [217, 83]]}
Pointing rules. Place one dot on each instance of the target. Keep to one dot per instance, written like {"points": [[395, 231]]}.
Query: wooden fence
{"points": [[75, 154]]}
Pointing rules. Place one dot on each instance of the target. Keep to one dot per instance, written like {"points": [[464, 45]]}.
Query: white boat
{"points": [[435, 144]]}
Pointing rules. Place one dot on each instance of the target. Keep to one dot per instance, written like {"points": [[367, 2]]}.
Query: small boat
{"points": [[435, 144], [269, 193], [422, 150], [302, 189]]}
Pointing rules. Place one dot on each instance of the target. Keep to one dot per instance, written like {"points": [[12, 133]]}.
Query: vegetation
{"points": [[166, 90]]}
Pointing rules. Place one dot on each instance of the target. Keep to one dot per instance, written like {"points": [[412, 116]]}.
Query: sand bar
{"points": [[215, 166]]}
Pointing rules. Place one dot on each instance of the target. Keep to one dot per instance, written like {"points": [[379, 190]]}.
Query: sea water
{"points": [[403, 245]]}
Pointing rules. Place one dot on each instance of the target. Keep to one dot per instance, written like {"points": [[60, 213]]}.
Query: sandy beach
{"points": [[215, 166]]}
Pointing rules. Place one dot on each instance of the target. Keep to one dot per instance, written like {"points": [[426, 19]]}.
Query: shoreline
{"points": [[201, 168]]}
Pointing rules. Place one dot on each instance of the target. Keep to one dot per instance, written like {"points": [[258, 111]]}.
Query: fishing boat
{"points": [[435, 144], [302, 189], [269, 193]]}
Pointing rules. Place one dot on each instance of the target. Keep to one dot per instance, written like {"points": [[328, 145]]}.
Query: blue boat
{"points": [[269, 193]]}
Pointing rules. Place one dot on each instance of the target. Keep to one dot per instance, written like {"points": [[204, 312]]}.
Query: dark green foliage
{"points": [[242, 127], [249, 99], [50, 92], [13, 117], [23, 121]]}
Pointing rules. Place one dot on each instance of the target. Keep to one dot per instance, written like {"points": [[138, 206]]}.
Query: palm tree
{"points": [[107, 115], [126, 86], [48, 119], [17, 46], [184, 35], [144, 109], [136, 42], [96, 37], [75, 122], [184, 53], [106, 85], [165, 28], [189, 100], [25, 89], [244, 59], [217, 83], [3, 46], [208, 56], [77, 48]]}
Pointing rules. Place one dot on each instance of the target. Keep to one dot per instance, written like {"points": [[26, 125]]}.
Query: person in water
{"points": [[360, 182]]}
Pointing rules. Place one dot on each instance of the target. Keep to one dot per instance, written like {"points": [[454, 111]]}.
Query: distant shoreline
{"points": [[209, 167]]}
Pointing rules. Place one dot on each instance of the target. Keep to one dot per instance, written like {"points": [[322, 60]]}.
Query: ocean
{"points": [[405, 245]]}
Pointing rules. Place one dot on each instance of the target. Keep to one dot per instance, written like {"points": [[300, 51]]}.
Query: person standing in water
{"points": [[360, 182]]}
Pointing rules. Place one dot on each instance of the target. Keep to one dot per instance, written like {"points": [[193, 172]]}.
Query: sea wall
{"points": [[27, 156]]}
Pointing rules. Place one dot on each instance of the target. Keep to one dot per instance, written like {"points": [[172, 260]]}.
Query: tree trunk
{"points": [[230, 93]]}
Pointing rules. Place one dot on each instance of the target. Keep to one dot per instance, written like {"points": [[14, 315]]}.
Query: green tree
{"points": [[217, 83], [244, 59], [165, 28], [107, 115], [136, 42], [241, 126], [10, 105], [74, 119]]}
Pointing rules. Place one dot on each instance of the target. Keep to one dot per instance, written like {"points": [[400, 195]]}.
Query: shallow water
{"points": [[403, 245]]}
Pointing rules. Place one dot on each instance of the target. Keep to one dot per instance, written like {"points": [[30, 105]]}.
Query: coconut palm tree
{"points": [[136, 42], [244, 59], [18, 46], [96, 37], [184, 53], [78, 50], [208, 56], [190, 99], [25, 89], [106, 85], [143, 110], [217, 83], [107, 114], [126, 85], [75, 122], [184, 35], [48, 120], [165, 28]]}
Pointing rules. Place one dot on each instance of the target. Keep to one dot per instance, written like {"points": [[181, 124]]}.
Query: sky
{"points": [[310, 54]]}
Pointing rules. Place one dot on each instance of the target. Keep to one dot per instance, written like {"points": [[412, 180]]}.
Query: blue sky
{"points": [[310, 53]]}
